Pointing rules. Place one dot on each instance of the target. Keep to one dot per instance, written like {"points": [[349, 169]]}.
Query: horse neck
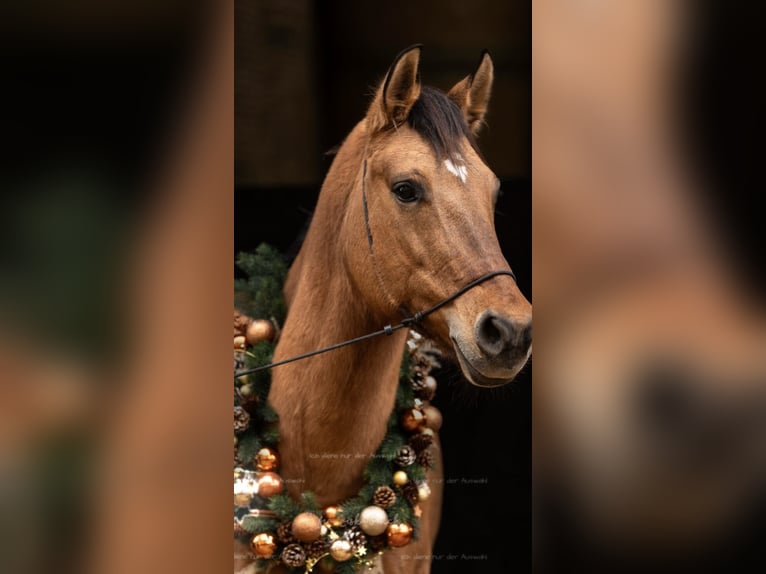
{"points": [[334, 407]]}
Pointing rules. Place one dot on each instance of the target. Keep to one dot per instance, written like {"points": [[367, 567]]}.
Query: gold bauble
{"points": [[433, 417], [306, 527], [399, 534], [413, 420], [263, 545], [269, 484], [424, 492], [266, 459], [400, 478], [243, 499], [341, 550], [240, 342], [260, 330], [334, 515], [373, 520]]}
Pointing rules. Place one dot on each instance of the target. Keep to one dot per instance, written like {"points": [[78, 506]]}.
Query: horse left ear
{"points": [[398, 92], [472, 93]]}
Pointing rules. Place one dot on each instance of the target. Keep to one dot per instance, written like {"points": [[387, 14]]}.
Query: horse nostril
{"points": [[495, 334]]}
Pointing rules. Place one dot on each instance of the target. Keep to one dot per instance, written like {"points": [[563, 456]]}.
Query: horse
{"points": [[403, 220]]}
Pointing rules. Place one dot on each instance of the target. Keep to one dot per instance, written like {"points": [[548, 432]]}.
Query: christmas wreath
{"points": [[298, 533]]}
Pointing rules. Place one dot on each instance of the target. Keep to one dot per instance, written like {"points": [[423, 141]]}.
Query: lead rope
{"points": [[388, 329]]}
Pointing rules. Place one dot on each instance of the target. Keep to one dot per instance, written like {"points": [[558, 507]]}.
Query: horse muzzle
{"points": [[493, 352]]}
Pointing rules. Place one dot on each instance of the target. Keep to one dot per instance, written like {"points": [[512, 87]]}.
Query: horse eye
{"points": [[406, 192]]}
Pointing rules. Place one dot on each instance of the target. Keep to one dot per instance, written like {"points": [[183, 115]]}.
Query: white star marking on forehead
{"points": [[458, 170]]}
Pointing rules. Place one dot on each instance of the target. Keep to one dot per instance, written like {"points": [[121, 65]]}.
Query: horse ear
{"points": [[398, 92], [472, 93]]}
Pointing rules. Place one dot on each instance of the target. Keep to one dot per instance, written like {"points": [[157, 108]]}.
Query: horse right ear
{"points": [[472, 93], [398, 92]]}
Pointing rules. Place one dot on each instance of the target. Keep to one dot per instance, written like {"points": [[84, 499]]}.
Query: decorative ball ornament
{"points": [[433, 417], [334, 515], [341, 550], [240, 342], [307, 527], [399, 534], [424, 491], [266, 459], [260, 330], [263, 545], [400, 478], [430, 385], [326, 565], [413, 420], [269, 484], [373, 520]]}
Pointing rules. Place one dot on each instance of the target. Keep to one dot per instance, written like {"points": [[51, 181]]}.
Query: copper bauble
{"points": [[433, 417], [413, 420], [334, 515], [263, 545], [266, 459], [399, 534], [269, 484], [400, 478], [341, 550], [373, 520], [326, 565], [306, 527], [260, 330], [239, 342]]}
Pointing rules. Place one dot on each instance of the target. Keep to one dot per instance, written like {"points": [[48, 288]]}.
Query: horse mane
{"points": [[440, 122]]}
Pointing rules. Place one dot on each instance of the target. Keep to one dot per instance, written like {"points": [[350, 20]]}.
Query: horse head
{"points": [[418, 222]]}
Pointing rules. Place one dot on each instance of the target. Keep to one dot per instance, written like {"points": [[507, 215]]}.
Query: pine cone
{"points": [[356, 537], [426, 458], [405, 456], [316, 548], [422, 362], [241, 419], [384, 496], [285, 533], [378, 543], [421, 441], [293, 555], [238, 530], [410, 492]]}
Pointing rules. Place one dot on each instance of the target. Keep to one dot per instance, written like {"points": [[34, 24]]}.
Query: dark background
{"points": [[304, 75]]}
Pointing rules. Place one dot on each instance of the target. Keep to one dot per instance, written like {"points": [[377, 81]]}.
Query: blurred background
{"points": [[649, 394], [117, 227], [304, 76]]}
